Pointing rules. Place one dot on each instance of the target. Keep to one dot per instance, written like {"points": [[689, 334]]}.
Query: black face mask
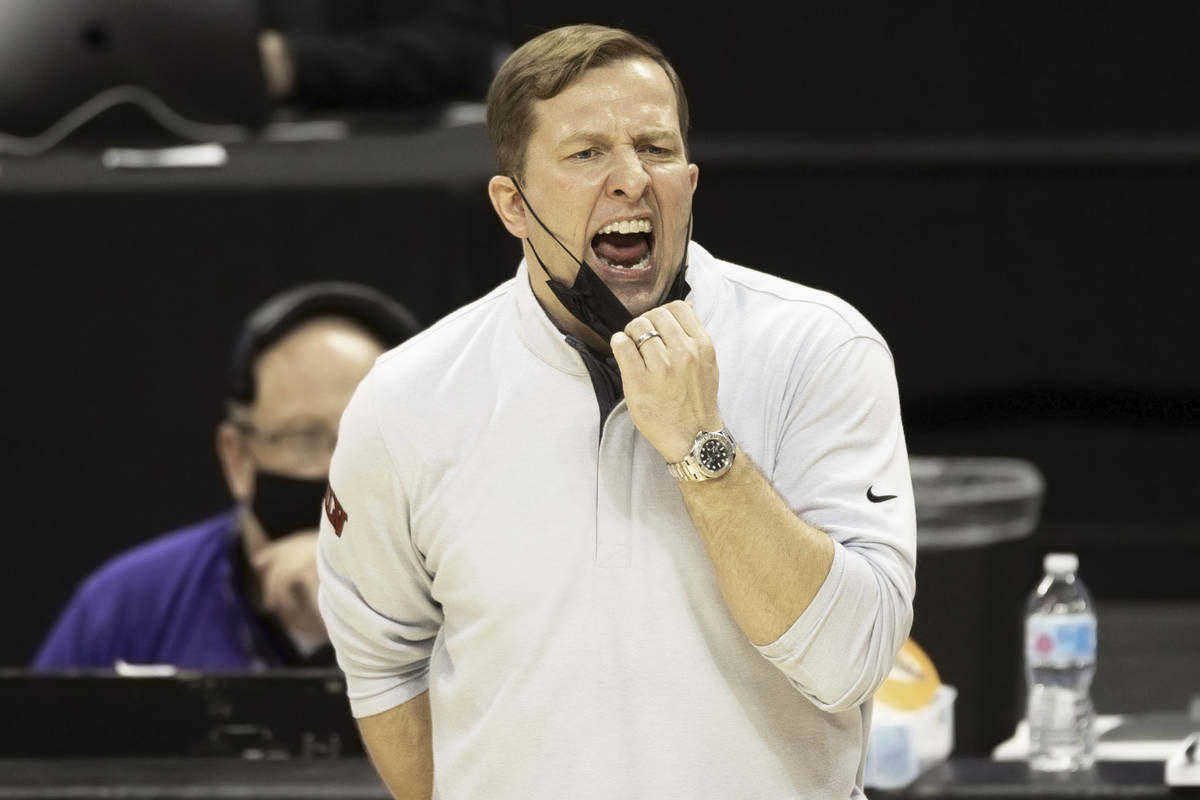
{"points": [[590, 300], [284, 504]]}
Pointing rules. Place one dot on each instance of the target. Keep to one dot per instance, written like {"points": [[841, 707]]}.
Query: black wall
{"points": [[941, 67]]}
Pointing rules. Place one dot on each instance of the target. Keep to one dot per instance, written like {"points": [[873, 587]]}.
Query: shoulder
{"points": [[782, 298], [451, 335], [160, 562], [395, 410], [777, 311], [120, 610], [413, 374]]}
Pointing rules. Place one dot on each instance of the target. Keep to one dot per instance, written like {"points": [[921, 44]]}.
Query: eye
{"points": [[584, 155], [656, 150]]}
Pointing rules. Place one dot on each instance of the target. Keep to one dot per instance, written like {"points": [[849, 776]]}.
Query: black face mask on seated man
{"points": [[589, 299], [285, 505]]}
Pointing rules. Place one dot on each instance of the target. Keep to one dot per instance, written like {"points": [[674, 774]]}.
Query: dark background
{"points": [[1008, 191]]}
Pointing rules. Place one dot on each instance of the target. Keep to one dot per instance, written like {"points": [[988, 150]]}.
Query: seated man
{"points": [[238, 591]]}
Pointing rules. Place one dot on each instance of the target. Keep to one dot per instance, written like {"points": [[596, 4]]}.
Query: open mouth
{"points": [[626, 245]]}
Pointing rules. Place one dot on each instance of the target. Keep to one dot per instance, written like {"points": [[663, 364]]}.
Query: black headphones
{"points": [[386, 320]]}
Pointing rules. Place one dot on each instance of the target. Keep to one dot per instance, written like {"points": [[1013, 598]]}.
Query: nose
{"points": [[628, 179]]}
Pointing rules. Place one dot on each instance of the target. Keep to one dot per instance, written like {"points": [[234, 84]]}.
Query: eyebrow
{"points": [[586, 137]]}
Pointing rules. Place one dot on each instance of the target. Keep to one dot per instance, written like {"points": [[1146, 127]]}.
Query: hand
{"points": [[671, 382], [287, 575]]}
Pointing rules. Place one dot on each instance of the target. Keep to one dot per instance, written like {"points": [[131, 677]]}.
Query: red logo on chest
{"points": [[334, 512]]}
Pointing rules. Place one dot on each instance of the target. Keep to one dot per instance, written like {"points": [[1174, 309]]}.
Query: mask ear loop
{"points": [[525, 200], [589, 299]]}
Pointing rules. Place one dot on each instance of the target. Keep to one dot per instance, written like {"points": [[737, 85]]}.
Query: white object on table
{"points": [[191, 155], [1017, 747], [1183, 767]]}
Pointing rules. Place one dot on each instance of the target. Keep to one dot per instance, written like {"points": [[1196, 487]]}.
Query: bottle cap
{"points": [[1060, 563]]}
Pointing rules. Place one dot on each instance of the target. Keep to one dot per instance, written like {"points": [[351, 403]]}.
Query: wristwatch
{"points": [[711, 457]]}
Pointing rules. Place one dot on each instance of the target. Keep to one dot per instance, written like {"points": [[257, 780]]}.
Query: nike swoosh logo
{"points": [[878, 498]]}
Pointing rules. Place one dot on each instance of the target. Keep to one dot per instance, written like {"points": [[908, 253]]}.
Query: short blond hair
{"points": [[545, 66]]}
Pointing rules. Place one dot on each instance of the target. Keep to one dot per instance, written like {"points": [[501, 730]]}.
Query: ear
{"points": [[694, 176], [236, 463], [509, 205]]}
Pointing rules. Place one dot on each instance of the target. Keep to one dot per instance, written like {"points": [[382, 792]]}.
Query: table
{"points": [[962, 779], [354, 778]]}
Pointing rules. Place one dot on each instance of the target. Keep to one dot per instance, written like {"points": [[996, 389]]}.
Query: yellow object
{"points": [[912, 682]]}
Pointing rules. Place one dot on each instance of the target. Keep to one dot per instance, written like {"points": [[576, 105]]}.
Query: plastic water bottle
{"points": [[1060, 660]]}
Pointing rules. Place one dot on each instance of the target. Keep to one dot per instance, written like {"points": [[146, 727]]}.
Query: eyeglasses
{"points": [[307, 444]]}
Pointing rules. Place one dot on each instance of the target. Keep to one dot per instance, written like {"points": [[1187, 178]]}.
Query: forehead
{"points": [[622, 96], [313, 369]]}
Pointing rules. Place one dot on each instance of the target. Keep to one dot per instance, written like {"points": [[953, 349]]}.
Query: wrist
{"points": [[684, 438], [710, 455]]}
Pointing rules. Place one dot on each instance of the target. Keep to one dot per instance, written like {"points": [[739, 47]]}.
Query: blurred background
{"points": [[1008, 191]]}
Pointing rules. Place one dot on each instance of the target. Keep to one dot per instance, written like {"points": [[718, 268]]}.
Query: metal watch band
{"points": [[685, 470], [690, 469]]}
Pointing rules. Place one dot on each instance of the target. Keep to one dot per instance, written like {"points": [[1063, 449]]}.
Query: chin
{"points": [[639, 302]]}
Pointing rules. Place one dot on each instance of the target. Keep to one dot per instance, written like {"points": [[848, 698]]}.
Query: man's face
{"points": [[303, 383], [605, 169]]}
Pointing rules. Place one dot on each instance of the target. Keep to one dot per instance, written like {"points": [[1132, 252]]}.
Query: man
{"points": [[238, 591], [558, 573]]}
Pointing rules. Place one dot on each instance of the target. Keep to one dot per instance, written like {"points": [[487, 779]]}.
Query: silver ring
{"points": [[645, 337]]}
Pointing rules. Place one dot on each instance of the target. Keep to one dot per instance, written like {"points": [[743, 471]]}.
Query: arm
{"points": [[375, 595], [401, 748], [820, 582], [769, 562]]}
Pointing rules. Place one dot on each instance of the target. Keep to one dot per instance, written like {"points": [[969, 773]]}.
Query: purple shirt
{"points": [[173, 600]]}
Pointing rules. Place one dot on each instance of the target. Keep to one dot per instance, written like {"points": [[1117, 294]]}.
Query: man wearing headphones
{"points": [[238, 590]]}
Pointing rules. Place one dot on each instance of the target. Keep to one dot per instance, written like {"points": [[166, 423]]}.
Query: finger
{"points": [[673, 334], [273, 598], [637, 327], [685, 314], [286, 603], [629, 360], [676, 349], [306, 602], [263, 558], [643, 333], [275, 581]]}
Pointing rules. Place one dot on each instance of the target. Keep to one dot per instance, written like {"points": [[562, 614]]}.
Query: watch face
{"points": [[714, 455]]}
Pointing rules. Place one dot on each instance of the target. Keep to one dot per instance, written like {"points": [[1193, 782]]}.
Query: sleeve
{"points": [[450, 52], [842, 466], [375, 593]]}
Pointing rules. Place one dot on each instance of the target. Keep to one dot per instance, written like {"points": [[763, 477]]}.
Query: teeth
{"points": [[628, 226], [643, 264]]}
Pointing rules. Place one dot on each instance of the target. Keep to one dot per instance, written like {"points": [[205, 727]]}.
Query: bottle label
{"points": [[1060, 640]]}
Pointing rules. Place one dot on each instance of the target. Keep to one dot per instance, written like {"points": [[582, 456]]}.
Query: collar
{"points": [[548, 343]]}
